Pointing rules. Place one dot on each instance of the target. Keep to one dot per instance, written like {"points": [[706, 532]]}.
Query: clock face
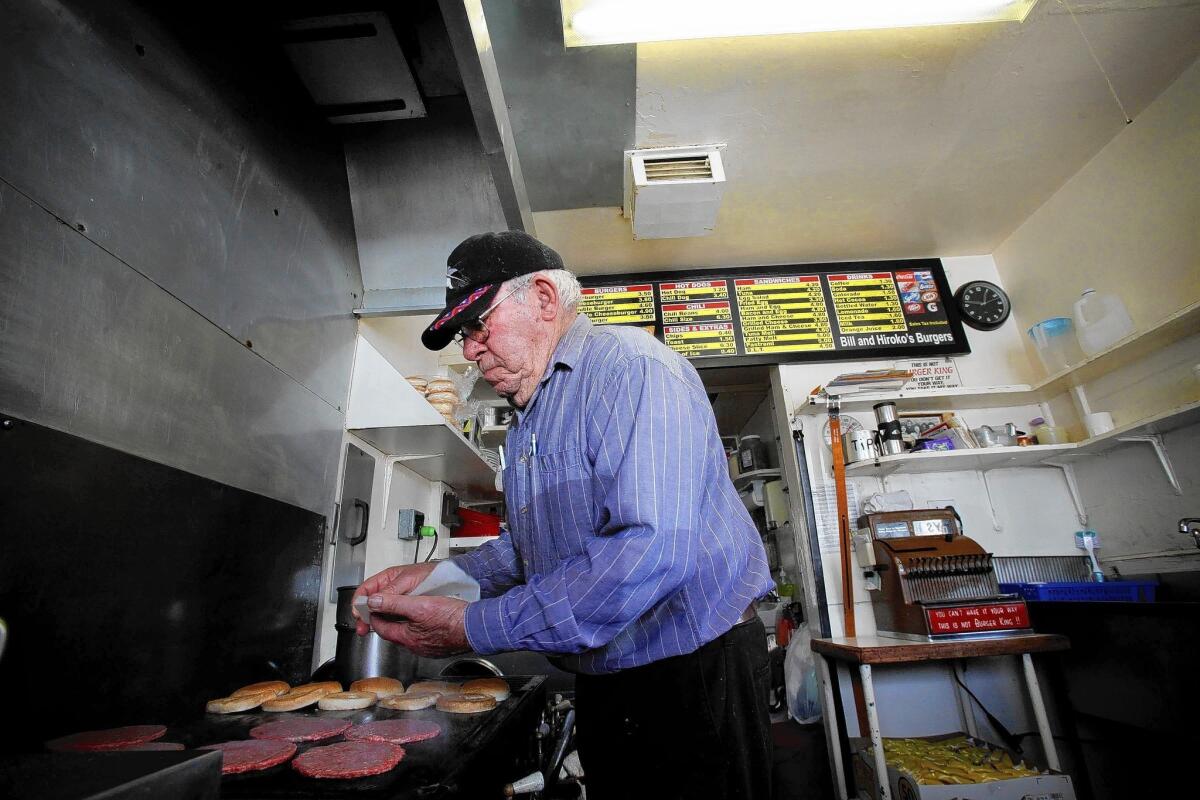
{"points": [[984, 305]]}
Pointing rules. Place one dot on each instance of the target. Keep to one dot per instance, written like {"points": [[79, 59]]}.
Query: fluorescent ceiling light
{"points": [[590, 22]]}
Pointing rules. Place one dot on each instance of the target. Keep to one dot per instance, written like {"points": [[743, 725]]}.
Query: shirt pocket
{"points": [[562, 504]]}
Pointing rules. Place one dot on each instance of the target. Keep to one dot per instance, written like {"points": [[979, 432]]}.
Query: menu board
{"points": [[815, 312], [616, 305]]}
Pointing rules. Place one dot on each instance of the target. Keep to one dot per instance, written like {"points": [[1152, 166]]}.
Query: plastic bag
{"points": [[800, 678]]}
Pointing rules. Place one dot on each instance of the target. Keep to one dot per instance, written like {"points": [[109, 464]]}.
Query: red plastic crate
{"points": [[476, 523]]}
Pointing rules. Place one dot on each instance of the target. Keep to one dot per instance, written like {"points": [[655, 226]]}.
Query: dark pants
{"points": [[693, 726]]}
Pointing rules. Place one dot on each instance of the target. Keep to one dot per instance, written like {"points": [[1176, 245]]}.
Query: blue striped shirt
{"points": [[627, 542]]}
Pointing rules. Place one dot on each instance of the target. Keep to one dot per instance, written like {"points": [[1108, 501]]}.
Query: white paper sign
{"points": [[825, 509], [932, 373]]}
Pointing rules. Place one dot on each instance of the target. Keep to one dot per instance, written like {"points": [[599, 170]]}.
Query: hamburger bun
{"points": [[495, 687], [410, 701], [418, 382], [440, 385], [293, 700], [346, 701], [465, 703], [326, 687], [233, 705], [437, 687], [381, 687], [442, 397], [276, 687], [445, 409]]}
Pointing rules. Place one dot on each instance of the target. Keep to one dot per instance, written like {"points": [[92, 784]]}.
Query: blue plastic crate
{"points": [[1085, 591]]}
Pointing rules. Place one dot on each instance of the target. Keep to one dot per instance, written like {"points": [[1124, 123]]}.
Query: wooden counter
{"points": [[887, 650]]}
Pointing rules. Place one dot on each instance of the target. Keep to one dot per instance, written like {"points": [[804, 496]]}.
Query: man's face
{"points": [[513, 357]]}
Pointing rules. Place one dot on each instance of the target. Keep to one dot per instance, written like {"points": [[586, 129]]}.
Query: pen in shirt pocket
{"points": [[533, 444], [503, 463]]}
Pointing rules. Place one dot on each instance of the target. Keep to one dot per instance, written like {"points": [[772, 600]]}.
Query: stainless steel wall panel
{"points": [[418, 187], [91, 347], [205, 171]]}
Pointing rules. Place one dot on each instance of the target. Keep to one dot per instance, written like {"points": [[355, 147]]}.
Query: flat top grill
{"points": [[430, 769]]}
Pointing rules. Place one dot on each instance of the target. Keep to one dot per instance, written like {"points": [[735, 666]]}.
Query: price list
{"points": [[784, 314], [693, 291], [711, 311], [698, 341], [866, 302], [614, 305]]}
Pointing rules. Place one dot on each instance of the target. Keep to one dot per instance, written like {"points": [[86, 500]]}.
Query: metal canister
{"points": [[859, 446], [891, 438]]}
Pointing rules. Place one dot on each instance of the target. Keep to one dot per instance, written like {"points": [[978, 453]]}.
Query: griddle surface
{"points": [[429, 768]]}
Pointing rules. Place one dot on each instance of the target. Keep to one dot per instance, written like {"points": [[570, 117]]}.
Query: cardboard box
{"points": [[1052, 786]]}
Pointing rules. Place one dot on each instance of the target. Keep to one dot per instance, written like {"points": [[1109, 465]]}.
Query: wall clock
{"points": [[983, 305]]}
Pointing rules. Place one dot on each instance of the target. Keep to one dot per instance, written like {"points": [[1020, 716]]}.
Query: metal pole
{"points": [[832, 732], [881, 773], [1039, 711]]}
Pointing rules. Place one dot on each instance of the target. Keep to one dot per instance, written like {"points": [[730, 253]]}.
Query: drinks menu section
{"points": [[815, 313]]}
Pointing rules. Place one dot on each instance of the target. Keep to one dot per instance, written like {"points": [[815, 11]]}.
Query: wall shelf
{"points": [[984, 459], [388, 413], [743, 481], [1127, 351], [469, 542]]}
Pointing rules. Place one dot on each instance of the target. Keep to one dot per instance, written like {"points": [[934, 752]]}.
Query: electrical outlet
{"points": [[408, 526]]}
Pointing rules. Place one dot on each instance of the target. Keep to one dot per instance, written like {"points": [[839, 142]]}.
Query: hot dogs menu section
{"points": [[797, 314]]}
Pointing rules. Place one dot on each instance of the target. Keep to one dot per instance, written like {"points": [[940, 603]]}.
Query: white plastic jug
{"points": [[1100, 321]]}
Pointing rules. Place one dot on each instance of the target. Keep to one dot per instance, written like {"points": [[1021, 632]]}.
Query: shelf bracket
{"points": [[1155, 441], [1068, 471]]}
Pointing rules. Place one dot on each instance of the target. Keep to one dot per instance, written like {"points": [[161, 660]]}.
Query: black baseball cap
{"points": [[474, 272]]}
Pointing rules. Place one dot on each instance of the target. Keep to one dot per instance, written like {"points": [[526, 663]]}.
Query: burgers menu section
{"points": [[773, 314], [617, 305]]}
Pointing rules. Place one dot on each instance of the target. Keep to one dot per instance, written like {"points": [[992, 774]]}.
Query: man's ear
{"points": [[546, 294]]}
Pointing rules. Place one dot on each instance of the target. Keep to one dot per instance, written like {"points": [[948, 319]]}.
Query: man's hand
{"points": [[429, 626], [392, 581]]}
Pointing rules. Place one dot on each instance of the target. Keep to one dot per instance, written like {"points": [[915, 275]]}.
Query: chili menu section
{"points": [[773, 314]]}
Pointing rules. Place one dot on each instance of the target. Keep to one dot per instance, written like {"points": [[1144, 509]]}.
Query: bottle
{"points": [[1100, 321], [1048, 434]]}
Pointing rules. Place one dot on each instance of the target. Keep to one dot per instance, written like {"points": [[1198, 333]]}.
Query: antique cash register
{"points": [[930, 582]]}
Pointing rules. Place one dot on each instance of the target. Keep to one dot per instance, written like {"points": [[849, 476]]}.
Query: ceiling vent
{"points": [[673, 192], [353, 67]]}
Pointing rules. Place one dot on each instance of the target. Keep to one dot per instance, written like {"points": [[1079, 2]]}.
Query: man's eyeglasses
{"points": [[476, 330]]}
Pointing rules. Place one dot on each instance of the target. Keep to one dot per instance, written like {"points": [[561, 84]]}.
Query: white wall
{"points": [[1034, 515]]}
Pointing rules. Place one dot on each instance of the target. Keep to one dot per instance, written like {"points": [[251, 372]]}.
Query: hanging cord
{"points": [[1112, 89], [433, 549]]}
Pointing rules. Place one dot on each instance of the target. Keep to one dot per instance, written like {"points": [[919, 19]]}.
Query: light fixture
{"points": [[592, 22]]}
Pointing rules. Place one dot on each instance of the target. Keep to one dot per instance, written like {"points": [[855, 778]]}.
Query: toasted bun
{"points": [[381, 687], [495, 687], [232, 705], [417, 382], [466, 703], [276, 687], [437, 687], [442, 397], [294, 700], [440, 385], [346, 701], [443, 408], [410, 701], [325, 687]]}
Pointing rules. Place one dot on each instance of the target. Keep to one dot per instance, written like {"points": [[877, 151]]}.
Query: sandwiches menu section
{"points": [[811, 313]]}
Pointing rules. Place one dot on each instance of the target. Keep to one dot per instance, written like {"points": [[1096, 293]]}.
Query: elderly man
{"points": [[629, 558]]}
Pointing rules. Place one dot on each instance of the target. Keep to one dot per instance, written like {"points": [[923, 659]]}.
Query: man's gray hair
{"points": [[563, 280]]}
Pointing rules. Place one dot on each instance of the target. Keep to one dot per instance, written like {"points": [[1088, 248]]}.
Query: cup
{"points": [[1098, 423]]}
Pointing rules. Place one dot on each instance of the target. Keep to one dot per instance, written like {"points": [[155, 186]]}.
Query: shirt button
{"points": [[522, 459], [524, 509]]}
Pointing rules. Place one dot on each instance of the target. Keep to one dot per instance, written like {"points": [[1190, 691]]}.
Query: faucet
{"points": [[1191, 525]]}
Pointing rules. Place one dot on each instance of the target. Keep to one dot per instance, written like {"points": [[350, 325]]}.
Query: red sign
{"points": [[977, 618]]}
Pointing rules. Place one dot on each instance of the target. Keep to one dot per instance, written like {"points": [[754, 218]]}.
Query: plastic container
{"points": [[1048, 434], [1101, 321], [752, 454], [1081, 591], [1056, 344], [476, 523]]}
